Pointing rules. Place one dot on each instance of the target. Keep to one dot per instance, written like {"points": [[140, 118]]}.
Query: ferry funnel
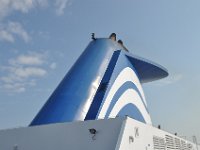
{"points": [[104, 82]]}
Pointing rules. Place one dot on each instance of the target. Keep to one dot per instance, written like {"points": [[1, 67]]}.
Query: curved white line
{"points": [[127, 74], [130, 96]]}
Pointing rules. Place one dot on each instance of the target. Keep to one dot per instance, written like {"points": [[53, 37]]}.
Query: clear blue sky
{"points": [[41, 39]]}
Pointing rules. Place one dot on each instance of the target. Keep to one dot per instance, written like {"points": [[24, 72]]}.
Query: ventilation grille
{"points": [[177, 143], [170, 144], [189, 146], [159, 143], [183, 145]]}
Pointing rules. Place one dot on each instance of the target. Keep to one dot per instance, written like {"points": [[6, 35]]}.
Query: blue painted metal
{"points": [[148, 71], [121, 63], [74, 97], [131, 109], [120, 91], [94, 108]]}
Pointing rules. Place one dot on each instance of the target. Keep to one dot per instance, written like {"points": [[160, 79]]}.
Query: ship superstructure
{"points": [[105, 82]]}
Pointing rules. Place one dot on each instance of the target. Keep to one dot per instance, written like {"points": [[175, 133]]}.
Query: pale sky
{"points": [[41, 39]]}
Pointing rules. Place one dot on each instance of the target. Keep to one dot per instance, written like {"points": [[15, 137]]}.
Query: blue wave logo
{"points": [[125, 96]]}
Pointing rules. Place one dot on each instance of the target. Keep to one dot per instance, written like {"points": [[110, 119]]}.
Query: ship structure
{"points": [[100, 104]]}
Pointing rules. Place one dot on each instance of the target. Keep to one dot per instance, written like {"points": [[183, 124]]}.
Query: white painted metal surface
{"points": [[111, 134], [139, 136]]}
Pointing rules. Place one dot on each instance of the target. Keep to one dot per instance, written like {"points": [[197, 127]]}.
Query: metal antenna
{"points": [[113, 36], [93, 36], [121, 43]]}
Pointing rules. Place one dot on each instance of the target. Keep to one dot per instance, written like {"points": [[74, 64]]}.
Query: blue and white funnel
{"points": [[104, 82]]}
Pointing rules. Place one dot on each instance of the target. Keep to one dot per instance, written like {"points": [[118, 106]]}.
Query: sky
{"points": [[41, 39]]}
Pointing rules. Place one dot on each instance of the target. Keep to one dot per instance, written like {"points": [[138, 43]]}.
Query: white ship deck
{"points": [[111, 134]]}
